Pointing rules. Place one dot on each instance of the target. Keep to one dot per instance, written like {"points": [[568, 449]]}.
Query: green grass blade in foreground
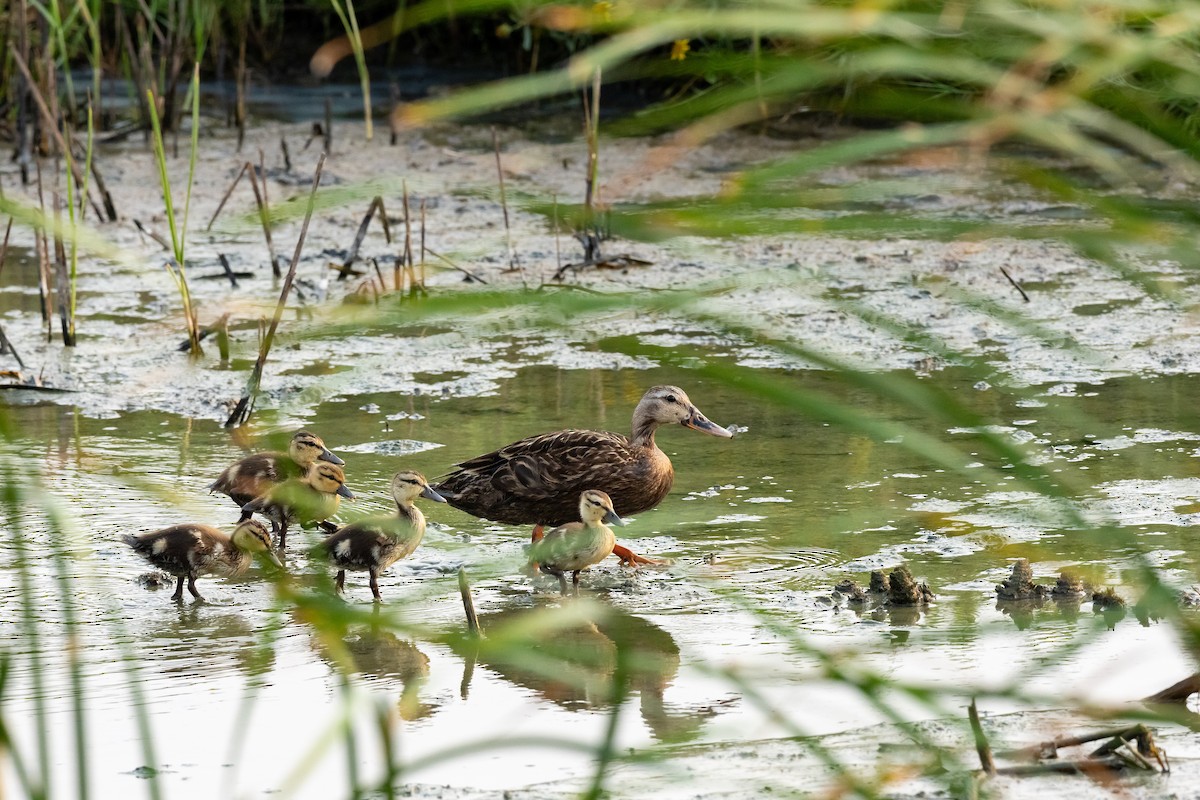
{"points": [[63, 556], [31, 629]]}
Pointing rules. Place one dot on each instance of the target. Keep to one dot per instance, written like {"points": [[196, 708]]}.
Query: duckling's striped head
{"points": [[252, 536], [328, 479], [408, 485], [596, 506], [307, 447]]}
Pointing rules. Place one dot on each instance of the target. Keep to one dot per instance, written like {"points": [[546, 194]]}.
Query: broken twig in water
{"points": [[241, 412], [464, 589], [376, 205], [228, 192], [1114, 755], [6, 346], [513, 264], [1016, 285], [327, 131], [260, 199], [229, 273], [221, 325], [470, 275], [163, 242]]}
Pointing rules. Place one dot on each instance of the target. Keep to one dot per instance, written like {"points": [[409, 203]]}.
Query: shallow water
{"points": [[759, 528]]}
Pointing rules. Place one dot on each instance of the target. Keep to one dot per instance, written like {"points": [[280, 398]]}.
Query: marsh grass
{"points": [[178, 229]]}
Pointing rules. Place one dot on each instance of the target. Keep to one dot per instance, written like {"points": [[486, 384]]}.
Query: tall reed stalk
{"points": [[177, 271]]}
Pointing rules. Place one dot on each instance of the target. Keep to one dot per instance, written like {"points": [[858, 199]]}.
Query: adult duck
{"points": [[538, 480], [256, 474]]}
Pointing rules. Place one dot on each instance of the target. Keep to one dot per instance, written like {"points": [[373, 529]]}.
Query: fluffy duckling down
{"points": [[374, 544], [255, 475], [303, 501], [189, 551], [578, 545]]}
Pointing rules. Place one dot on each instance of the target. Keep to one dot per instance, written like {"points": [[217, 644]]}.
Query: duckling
{"points": [[375, 544], [307, 500], [537, 480], [254, 475], [578, 545], [188, 551]]}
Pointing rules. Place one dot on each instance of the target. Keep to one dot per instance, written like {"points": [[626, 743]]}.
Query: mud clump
{"points": [[1019, 585], [1070, 584], [1109, 604], [879, 582], [852, 592], [1107, 599], [903, 590], [899, 589]]}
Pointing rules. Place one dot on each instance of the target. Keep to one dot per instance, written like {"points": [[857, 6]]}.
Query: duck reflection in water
{"points": [[383, 657], [202, 643], [575, 665]]}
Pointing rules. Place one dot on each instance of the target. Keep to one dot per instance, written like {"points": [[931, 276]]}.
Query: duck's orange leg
{"points": [[539, 532], [632, 559]]}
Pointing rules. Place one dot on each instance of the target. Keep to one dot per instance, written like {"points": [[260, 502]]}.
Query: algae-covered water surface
{"points": [[240, 691]]}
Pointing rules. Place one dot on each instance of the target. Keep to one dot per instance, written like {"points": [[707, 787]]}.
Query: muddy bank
{"points": [[817, 291]]}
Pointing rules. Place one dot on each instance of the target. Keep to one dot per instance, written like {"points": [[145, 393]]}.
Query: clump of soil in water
{"points": [[1020, 585], [903, 590], [1110, 604], [879, 582], [853, 593], [1070, 584]]}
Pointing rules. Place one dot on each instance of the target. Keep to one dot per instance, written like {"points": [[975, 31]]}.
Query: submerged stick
{"points": [[422, 241], [260, 200], [50, 120], [4, 246], [228, 270], [241, 412], [6, 346], [327, 132], [228, 192], [110, 208], [376, 205], [464, 589], [471, 276], [513, 264], [408, 254], [1016, 285], [163, 242]]}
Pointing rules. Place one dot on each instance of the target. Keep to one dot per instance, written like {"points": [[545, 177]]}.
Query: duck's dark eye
{"points": [[672, 399]]}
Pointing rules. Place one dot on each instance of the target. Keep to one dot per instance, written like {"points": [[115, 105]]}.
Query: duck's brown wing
{"points": [[538, 480]]}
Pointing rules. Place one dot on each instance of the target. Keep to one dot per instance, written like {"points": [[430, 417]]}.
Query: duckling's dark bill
{"points": [[699, 422], [612, 519], [345, 492], [331, 458]]}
